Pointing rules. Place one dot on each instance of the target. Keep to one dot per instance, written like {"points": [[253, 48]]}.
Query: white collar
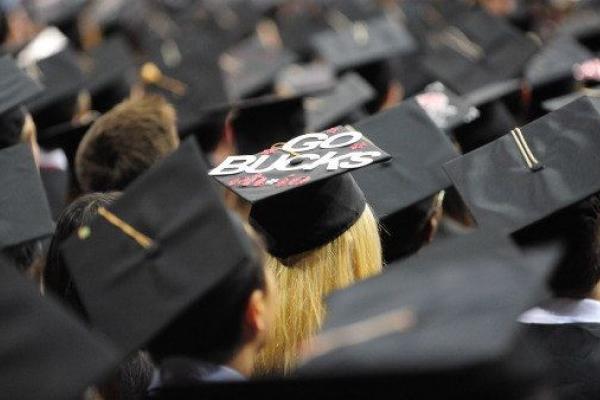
{"points": [[563, 311]]}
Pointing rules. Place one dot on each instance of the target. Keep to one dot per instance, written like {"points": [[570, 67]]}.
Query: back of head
{"points": [[124, 143], [212, 328], [578, 228], [304, 280], [57, 278]]}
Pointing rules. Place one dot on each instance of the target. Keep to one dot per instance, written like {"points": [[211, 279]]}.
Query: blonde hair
{"points": [[306, 279]]}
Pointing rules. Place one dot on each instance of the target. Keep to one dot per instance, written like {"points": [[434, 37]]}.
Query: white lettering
{"points": [[361, 159], [352, 137], [308, 145], [233, 165]]}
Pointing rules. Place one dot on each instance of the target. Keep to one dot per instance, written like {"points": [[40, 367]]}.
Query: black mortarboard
{"points": [[184, 70], [446, 109], [533, 171], [301, 193], [364, 42], [349, 95], [44, 352], [297, 22], [112, 73], [553, 64], [305, 79], [561, 101], [15, 89], [62, 78], [137, 266], [262, 122], [450, 311], [495, 118], [252, 66], [584, 25], [67, 137], [477, 49], [24, 211], [418, 149]]}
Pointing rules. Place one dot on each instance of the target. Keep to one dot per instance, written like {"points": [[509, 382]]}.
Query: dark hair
{"points": [[24, 255], [57, 278], [131, 379], [403, 233], [578, 229], [11, 126], [124, 143], [211, 329], [4, 28]]}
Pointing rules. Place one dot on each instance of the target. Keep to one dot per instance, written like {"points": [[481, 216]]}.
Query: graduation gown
{"points": [[574, 353]]}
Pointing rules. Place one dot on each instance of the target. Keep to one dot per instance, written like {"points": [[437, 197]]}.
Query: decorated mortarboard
{"points": [[349, 95], [112, 73], [24, 211], [434, 315], [305, 79], [555, 62], [252, 65], [533, 171], [446, 109], [477, 49], [418, 149], [302, 196], [364, 42], [137, 266], [45, 353]]}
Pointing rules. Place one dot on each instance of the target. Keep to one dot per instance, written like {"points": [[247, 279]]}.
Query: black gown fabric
{"points": [[574, 351]]}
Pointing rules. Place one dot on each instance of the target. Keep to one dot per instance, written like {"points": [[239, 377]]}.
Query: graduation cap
{"points": [[418, 149], [63, 14], [24, 211], [584, 25], [252, 65], [260, 122], [298, 22], [136, 267], [495, 117], [62, 78], [435, 316], [301, 193], [532, 171], [476, 49], [554, 64], [16, 88], [364, 42], [112, 73], [45, 352], [446, 109], [347, 98], [183, 69], [305, 79], [561, 101]]}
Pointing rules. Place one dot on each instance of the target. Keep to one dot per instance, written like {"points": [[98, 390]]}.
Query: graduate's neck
{"points": [[244, 360]]}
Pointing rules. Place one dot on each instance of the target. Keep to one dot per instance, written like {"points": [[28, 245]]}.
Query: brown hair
{"points": [[124, 143]]}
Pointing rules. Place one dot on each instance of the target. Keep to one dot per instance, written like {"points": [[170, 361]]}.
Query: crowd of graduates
{"points": [[299, 198]]}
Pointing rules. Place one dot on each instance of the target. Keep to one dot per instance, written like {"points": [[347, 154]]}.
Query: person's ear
{"points": [[432, 225], [255, 317]]}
